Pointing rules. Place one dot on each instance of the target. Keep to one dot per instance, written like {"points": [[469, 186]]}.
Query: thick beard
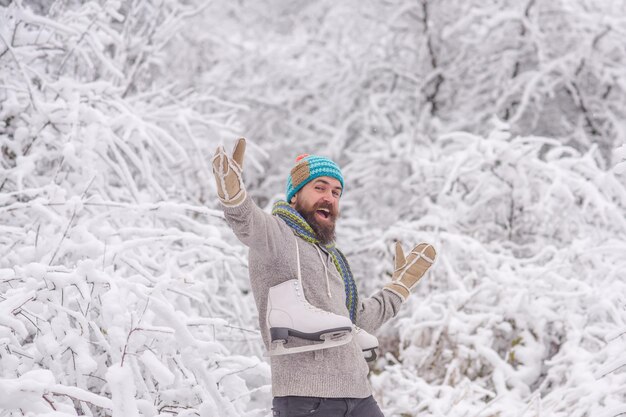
{"points": [[324, 232]]}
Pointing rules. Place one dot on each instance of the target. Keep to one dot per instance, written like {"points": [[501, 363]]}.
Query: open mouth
{"points": [[324, 213]]}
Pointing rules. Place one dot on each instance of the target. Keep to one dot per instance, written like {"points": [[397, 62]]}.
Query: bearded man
{"points": [[305, 291]]}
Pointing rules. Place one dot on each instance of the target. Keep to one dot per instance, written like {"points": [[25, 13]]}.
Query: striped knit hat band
{"points": [[309, 167]]}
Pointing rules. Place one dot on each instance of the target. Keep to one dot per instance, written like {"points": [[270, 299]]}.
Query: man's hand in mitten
{"points": [[409, 270], [227, 171]]}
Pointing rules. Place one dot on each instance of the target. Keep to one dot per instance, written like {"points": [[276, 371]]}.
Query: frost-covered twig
{"points": [[21, 69]]}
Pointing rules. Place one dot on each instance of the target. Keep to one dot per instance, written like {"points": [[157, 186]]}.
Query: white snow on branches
{"points": [[493, 130]]}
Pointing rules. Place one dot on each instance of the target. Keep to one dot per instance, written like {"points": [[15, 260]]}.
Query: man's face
{"points": [[318, 203]]}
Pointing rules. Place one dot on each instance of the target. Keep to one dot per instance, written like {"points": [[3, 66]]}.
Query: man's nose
{"points": [[329, 197]]}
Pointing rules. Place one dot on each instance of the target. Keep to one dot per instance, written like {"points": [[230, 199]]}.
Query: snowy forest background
{"points": [[493, 129]]}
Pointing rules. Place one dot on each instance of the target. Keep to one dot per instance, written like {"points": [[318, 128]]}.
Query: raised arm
{"points": [[252, 226], [374, 311]]}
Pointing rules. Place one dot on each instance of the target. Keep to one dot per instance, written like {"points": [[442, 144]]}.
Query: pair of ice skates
{"points": [[290, 314]]}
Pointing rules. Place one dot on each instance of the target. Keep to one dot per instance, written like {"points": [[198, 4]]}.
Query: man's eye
{"points": [[336, 194], [319, 188]]}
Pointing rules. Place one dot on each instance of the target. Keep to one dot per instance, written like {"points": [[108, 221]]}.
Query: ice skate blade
{"points": [[278, 333], [277, 348]]}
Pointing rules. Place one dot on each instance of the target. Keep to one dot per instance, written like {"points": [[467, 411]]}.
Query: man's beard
{"points": [[324, 232]]}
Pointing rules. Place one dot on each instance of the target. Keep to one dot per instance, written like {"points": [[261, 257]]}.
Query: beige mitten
{"points": [[409, 270], [227, 171]]}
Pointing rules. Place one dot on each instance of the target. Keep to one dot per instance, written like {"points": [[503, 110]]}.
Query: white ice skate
{"points": [[290, 314], [367, 342]]}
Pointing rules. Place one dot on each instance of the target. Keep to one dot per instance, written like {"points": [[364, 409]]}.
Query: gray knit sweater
{"points": [[335, 372]]}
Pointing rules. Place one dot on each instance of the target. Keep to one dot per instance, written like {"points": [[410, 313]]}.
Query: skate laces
{"points": [[319, 252], [300, 293], [300, 288]]}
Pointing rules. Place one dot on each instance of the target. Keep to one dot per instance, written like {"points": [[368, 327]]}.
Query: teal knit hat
{"points": [[308, 168]]}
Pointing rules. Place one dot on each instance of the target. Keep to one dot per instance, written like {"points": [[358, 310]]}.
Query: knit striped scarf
{"points": [[301, 228]]}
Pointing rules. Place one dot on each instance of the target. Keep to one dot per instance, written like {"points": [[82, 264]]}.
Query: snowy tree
{"points": [[494, 130], [117, 289]]}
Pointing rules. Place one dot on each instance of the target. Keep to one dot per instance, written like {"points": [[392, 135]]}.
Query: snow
{"points": [[82, 395], [493, 130], [121, 382], [160, 371]]}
